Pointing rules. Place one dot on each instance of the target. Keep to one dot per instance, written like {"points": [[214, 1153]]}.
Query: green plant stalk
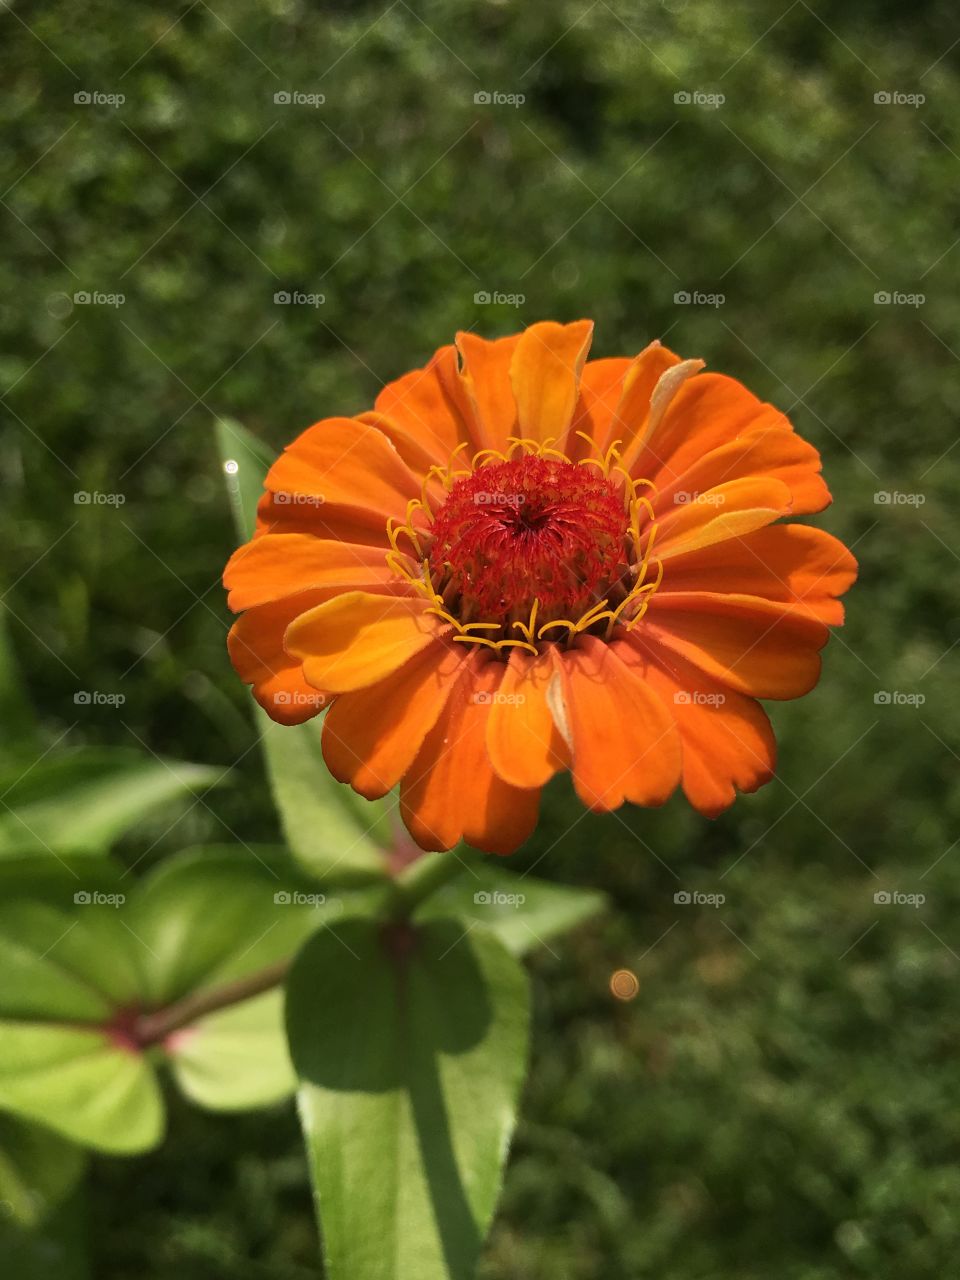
{"points": [[419, 881]]}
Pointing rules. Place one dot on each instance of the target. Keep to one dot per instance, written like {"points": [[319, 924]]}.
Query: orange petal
{"points": [[348, 463], [545, 376], [356, 639], [726, 511], [647, 392], [706, 412], [321, 520], [776, 452], [754, 646], [282, 564], [523, 742], [726, 738], [486, 382], [426, 407], [790, 563], [255, 645], [371, 737], [601, 385], [451, 792], [625, 743]]}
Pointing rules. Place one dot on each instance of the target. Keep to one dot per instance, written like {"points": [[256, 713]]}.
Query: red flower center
{"points": [[532, 529]]}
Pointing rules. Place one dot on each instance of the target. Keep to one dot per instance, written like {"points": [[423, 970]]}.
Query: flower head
{"points": [[521, 562]]}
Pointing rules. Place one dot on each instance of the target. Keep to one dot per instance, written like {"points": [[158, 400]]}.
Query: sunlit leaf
{"points": [[411, 1049]]}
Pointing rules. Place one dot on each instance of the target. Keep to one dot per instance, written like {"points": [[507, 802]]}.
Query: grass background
{"points": [[780, 1098]]}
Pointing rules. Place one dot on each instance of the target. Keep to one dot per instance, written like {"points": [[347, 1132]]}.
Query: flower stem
{"points": [[153, 1028], [419, 881]]}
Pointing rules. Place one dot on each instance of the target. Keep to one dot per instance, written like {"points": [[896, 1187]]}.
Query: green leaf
{"points": [[411, 1048], [327, 827], [210, 916], [237, 1058], [522, 911], [80, 802], [246, 460], [81, 1085], [16, 714], [37, 1170], [68, 970]]}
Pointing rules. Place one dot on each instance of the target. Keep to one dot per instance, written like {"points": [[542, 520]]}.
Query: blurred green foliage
{"points": [[778, 1099]]}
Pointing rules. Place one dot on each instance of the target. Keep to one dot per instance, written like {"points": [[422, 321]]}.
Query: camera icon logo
{"points": [[482, 698], [481, 298], [482, 98], [882, 898], [82, 698], [281, 898], [282, 98], [282, 697], [682, 98], [82, 498], [882, 498], [882, 698], [82, 898], [681, 299], [883, 98], [682, 698], [682, 898], [882, 299], [282, 298], [81, 299], [82, 98], [482, 898]]}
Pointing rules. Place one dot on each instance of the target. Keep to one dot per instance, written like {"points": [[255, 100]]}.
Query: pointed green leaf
{"points": [[522, 911], [411, 1050], [329, 830], [81, 801]]}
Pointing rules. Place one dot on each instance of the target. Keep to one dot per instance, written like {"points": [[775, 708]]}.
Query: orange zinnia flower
{"points": [[520, 562]]}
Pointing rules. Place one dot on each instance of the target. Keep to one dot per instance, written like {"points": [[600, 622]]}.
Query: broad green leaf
{"points": [[327, 827], [37, 1170], [81, 1084], [235, 1059], [83, 800], [210, 916], [522, 911], [411, 1049]]}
